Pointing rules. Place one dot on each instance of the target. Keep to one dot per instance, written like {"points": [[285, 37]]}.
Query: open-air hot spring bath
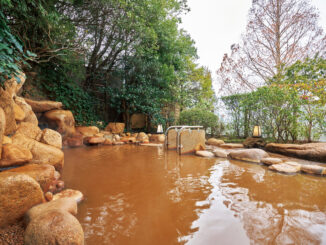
{"points": [[147, 195]]}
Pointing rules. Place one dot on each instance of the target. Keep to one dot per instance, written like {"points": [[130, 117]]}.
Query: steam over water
{"points": [[146, 195]]}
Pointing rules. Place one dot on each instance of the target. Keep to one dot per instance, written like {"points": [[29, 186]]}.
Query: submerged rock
{"points": [[286, 167], [43, 106], [204, 154], [55, 227], [215, 142], [250, 155], [271, 160], [18, 193]]}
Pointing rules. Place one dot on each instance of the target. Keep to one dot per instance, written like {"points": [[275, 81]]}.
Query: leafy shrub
{"points": [[200, 117]]}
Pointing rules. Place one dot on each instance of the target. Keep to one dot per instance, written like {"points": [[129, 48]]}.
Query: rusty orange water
{"points": [[145, 195]]}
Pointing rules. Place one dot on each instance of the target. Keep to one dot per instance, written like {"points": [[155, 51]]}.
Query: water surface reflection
{"points": [[145, 195]]}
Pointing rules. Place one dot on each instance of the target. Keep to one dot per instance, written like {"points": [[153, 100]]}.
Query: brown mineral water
{"points": [[146, 195]]}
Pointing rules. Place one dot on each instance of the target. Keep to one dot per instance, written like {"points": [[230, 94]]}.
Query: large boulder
{"points": [[115, 128], [55, 227], [157, 138], [215, 142], [13, 85], [313, 169], [128, 139], [220, 153], [18, 193], [6, 140], [43, 106], [312, 151], [93, 140], [44, 174], [19, 113], [30, 130], [253, 142], [51, 137], [286, 167], [88, 131], [231, 146], [14, 155], [75, 140], [142, 137], [7, 104], [271, 160], [62, 121], [42, 153], [64, 204], [29, 114], [2, 128], [249, 155], [69, 193], [204, 153]]}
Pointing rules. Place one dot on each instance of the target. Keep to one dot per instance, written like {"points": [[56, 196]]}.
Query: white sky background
{"points": [[217, 24]]}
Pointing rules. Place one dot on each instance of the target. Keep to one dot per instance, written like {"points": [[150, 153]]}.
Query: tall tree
{"points": [[278, 33]]}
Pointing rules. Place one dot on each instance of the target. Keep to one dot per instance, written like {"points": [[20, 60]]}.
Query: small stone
{"points": [[271, 160], [288, 168], [48, 196], [74, 194], [60, 184], [205, 154]]}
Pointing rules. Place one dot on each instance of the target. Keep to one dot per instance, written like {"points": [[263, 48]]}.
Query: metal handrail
{"points": [[179, 130]]}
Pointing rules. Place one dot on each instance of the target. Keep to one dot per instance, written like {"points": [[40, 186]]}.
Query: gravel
{"points": [[12, 235]]}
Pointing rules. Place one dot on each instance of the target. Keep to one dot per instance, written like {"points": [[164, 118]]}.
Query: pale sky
{"points": [[217, 24]]}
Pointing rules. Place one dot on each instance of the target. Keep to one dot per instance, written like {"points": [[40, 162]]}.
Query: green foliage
{"points": [[308, 80], [275, 109], [59, 86], [12, 56], [200, 117]]}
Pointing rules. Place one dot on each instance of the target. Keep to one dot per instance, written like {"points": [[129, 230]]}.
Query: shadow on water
{"points": [[145, 195]]}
